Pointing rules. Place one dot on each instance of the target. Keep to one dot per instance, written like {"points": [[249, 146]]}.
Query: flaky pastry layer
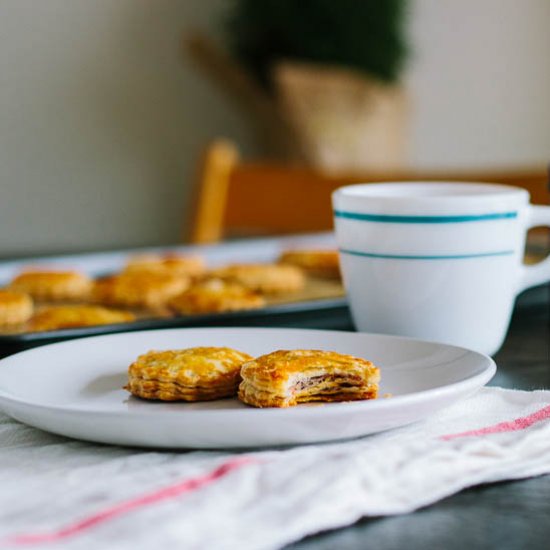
{"points": [[139, 289], [192, 374], [59, 317], [263, 278], [172, 264], [286, 378], [215, 296], [319, 263], [53, 285], [15, 307]]}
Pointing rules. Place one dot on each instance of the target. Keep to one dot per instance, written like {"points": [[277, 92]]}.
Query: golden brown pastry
{"points": [[139, 289], [173, 264], [59, 317], [193, 374], [264, 278], [215, 296], [319, 263], [286, 378], [53, 286], [15, 307]]}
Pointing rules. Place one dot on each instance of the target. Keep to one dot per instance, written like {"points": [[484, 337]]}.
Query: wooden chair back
{"points": [[234, 198]]}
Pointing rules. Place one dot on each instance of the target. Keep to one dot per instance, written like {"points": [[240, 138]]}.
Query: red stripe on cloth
{"points": [[166, 493], [502, 427]]}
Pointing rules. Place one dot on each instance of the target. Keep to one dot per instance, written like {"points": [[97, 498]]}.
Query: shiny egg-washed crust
{"points": [[139, 289], [319, 263], [286, 378], [215, 296], [53, 286], [15, 307], [263, 278], [192, 374], [172, 264], [60, 317]]}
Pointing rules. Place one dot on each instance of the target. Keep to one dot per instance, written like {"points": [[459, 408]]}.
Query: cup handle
{"points": [[539, 273]]}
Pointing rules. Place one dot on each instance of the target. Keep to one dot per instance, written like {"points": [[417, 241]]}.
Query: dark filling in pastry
{"points": [[336, 382]]}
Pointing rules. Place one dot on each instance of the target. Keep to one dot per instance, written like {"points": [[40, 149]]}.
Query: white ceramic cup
{"points": [[439, 261]]}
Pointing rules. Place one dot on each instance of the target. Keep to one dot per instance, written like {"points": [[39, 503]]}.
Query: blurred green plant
{"points": [[366, 35]]}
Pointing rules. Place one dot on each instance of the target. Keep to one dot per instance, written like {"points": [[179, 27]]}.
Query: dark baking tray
{"points": [[322, 314], [326, 313], [330, 314]]}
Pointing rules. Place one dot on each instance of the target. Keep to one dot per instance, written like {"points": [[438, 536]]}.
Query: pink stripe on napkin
{"points": [[166, 493], [502, 427]]}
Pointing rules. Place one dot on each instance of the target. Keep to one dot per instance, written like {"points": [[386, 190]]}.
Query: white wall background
{"points": [[480, 82], [101, 120]]}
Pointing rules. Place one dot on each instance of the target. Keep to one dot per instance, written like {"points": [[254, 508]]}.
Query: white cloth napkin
{"points": [[58, 493]]}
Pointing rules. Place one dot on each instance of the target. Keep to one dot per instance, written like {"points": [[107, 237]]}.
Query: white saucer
{"points": [[74, 388]]}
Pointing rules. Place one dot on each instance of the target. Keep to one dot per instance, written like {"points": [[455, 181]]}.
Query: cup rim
{"points": [[424, 190], [414, 197]]}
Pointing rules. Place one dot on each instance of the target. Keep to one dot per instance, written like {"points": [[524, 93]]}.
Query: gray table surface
{"points": [[508, 516]]}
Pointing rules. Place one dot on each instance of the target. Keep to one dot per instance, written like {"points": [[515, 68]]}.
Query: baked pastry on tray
{"points": [[192, 374], [59, 317], [53, 286], [15, 307], [319, 263], [174, 264], [139, 289], [288, 377], [264, 278], [215, 296]]}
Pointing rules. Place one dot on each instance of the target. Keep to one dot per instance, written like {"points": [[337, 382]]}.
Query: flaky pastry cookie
{"points": [[192, 374], [139, 289], [53, 286], [285, 378], [264, 278], [173, 264], [59, 317], [319, 263], [15, 307], [215, 296]]}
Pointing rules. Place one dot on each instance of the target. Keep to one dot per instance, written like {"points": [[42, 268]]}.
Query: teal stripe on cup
{"points": [[388, 218], [427, 257]]}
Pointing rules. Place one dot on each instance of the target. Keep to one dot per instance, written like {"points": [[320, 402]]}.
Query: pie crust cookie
{"points": [[318, 263], [286, 378], [174, 264], [15, 307], [53, 286], [192, 374], [141, 289], [59, 317], [215, 296], [264, 278]]}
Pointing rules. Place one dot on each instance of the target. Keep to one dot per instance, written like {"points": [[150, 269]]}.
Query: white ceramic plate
{"points": [[74, 388]]}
